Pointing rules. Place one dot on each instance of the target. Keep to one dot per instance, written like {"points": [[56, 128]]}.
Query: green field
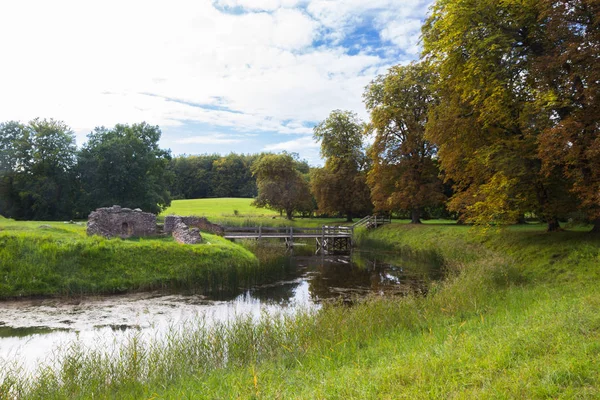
{"points": [[516, 318], [223, 211]]}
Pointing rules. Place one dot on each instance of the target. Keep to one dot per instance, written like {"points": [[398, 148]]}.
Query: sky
{"points": [[217, 76]]}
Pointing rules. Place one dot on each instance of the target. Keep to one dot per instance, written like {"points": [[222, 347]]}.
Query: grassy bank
{"points": [[518, 318], [41, 258]]}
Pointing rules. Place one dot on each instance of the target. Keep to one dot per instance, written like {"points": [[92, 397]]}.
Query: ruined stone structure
{"points": [[194, 222], [184, 235], [121, 222]]}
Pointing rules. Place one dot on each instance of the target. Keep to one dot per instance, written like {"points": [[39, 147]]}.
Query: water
{"points": [[34, 331]]}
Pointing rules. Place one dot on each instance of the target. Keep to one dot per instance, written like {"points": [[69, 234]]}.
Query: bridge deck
{"points": [[276, 236]]}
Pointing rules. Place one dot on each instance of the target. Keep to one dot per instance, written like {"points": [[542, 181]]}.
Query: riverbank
{"points": [[57, 259], [517, 318]]}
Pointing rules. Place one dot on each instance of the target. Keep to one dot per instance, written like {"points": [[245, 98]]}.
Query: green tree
{"points": [[340, 187], [125, 165], [37, 170], [192, 176], [281, 185], [404, 175], [232, 176]]}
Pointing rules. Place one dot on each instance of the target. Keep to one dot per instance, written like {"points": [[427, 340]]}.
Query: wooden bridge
{"points": [[328, 238]]}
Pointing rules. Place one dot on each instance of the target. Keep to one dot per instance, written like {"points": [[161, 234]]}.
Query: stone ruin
{"points": [[121, 222], [124, 223], [184, 235], [194, 222]]}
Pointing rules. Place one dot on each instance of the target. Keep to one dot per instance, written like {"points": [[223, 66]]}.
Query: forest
{"points": [[497, 122]]}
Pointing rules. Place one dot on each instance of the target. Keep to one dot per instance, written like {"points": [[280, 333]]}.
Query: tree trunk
{"points": [[289, 214], [521, 219], [596, 227], [553, 225], [349, 217], [415, 216]]}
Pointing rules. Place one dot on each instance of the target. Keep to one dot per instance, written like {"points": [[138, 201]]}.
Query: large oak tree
{"points": [[486, 123], [404, 175], [568, 79], [125, 165]]}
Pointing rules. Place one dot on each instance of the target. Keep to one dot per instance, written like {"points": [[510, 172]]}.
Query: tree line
{"points": [[43, 176]]}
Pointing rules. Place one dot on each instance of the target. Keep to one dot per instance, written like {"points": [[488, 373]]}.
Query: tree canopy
{"points": [[125, 165], [404, 175], [340, 187], [486, 123], [37, 179], [281, 185]]}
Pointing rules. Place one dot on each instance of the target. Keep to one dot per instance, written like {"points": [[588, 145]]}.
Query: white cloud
{"points": [[404, 34], [216, 138], [293, 145], [125, 61], [257, 5]]}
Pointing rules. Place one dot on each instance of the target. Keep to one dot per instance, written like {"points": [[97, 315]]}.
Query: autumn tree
{"points": [[568, 79], [281, 185], [486, 123], [404, 175], [340, 186]]}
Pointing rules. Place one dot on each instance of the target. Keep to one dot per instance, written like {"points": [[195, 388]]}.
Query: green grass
{"points": [[517, 318], [222, 211], [49, 258]]}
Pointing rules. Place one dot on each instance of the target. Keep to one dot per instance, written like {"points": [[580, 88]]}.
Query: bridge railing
{"points": [[374, 221], [290, 231]]}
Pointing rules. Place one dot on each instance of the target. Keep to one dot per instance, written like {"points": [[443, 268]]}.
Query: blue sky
{"points": [[216, 75]]}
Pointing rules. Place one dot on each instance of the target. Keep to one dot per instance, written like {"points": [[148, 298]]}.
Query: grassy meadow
{"points": [[517, 318], [240, 212], [54, 258]]}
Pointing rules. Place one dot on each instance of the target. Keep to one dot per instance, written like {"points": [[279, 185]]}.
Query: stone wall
{"points": [[121, 222], [194, 222], [184, 235]]}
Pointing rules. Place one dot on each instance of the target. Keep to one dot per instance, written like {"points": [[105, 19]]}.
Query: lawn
{"points": [[240, 212]]}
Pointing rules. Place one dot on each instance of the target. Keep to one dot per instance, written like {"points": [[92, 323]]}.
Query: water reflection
{"points": [[31, 330]]}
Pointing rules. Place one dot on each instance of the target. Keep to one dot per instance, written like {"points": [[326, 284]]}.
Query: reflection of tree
{"points": [[277, 293], [363, 275]]}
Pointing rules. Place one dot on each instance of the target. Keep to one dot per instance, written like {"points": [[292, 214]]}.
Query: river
{"points": [[37, 331]]}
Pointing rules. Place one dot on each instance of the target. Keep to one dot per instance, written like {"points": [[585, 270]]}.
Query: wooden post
{"points": [[323, 239], [291, 235], [259, 232]]}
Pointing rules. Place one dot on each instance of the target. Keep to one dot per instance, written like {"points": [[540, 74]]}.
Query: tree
{"points": [[232, 176], [192, 176], [37, 179], [125, 166], [568, 79], [280, 185], [404, 175], [340, 187], [486, 123]]}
